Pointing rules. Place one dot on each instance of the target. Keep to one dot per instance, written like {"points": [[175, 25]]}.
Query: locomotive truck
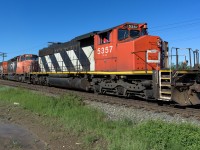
{"points": [[123, 61]]}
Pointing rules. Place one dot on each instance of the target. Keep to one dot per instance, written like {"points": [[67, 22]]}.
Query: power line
{"points": [[177, 26], [187, 38], [189, 24], [175, 23]]}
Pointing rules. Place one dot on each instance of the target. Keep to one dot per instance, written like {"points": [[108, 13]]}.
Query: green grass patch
{"points": [[97, 130]]}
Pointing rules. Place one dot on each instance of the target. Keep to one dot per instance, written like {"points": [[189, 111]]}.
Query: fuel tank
{"points": [[70, 83]]}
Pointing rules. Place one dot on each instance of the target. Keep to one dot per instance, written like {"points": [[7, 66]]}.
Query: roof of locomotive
{"points": [[109, 29], [70, 44], [15, 58], [51, 49], [90, 34], [78, 38], [85, 36], [28, 55]]}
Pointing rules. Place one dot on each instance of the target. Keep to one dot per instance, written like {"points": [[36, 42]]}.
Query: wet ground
{"points": [[15, 137]]}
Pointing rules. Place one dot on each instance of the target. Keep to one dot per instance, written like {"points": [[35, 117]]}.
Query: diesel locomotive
{"points": [[124, 61]]}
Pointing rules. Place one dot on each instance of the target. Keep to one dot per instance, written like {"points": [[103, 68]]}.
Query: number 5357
{"points": [[104, 50]]}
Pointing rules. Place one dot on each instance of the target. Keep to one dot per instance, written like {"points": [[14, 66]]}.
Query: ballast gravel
{"points": [[115, 112]]}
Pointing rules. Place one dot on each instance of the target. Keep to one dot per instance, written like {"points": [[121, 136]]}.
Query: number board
{"points": [[131, 26]]}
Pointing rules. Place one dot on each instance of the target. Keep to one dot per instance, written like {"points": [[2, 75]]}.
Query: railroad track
{"points": [[133, 103]]}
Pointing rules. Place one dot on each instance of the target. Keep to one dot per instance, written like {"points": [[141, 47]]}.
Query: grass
{"points": [[97, 130]]}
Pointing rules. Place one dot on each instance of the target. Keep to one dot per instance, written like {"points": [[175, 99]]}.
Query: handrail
{"points": [[177, 56]]}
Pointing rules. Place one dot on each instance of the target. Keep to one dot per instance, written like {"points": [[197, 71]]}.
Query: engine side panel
{"points": [[75, 55], [69, 60]]}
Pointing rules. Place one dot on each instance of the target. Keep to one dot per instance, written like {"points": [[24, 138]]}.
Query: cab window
{"points": [[144, 32], [134, 33], [104, 37], [31, 58], [22, 58], [28, 58], [122, 34]]}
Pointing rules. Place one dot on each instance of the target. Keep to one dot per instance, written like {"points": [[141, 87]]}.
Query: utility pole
{"points": [[3, 55]]}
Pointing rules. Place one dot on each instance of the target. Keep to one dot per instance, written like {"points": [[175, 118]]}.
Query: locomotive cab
{"points": [[131, 31], [127, 47], [24, 63]]}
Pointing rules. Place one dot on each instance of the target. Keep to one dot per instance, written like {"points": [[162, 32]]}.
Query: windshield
{"points": [[134, 33], [125, 33], [122, 34], [31, 58]]}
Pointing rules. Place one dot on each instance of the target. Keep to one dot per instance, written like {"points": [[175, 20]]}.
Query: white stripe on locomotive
{"points": [[76, 63], [41, 65], [60, 62], [49, 63], [89, 51]]}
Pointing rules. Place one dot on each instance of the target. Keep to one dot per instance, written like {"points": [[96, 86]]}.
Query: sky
{"points": [[28, 25]]}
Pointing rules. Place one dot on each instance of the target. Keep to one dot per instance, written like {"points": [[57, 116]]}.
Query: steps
{"points": [[164, 85]]}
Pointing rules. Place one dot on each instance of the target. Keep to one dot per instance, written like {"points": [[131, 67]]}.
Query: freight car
{"points": [[124, 61]]}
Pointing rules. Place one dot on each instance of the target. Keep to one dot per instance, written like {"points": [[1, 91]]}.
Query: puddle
{"points": [[16, 137]]}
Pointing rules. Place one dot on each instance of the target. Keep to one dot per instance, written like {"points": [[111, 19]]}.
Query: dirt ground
{"points": [[23, 130]]}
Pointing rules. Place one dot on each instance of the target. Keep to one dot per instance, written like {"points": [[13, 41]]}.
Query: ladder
{"points": [[165, 85]]}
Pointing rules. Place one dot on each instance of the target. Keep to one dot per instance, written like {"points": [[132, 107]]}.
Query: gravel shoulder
{"points": [[115, 112]]}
